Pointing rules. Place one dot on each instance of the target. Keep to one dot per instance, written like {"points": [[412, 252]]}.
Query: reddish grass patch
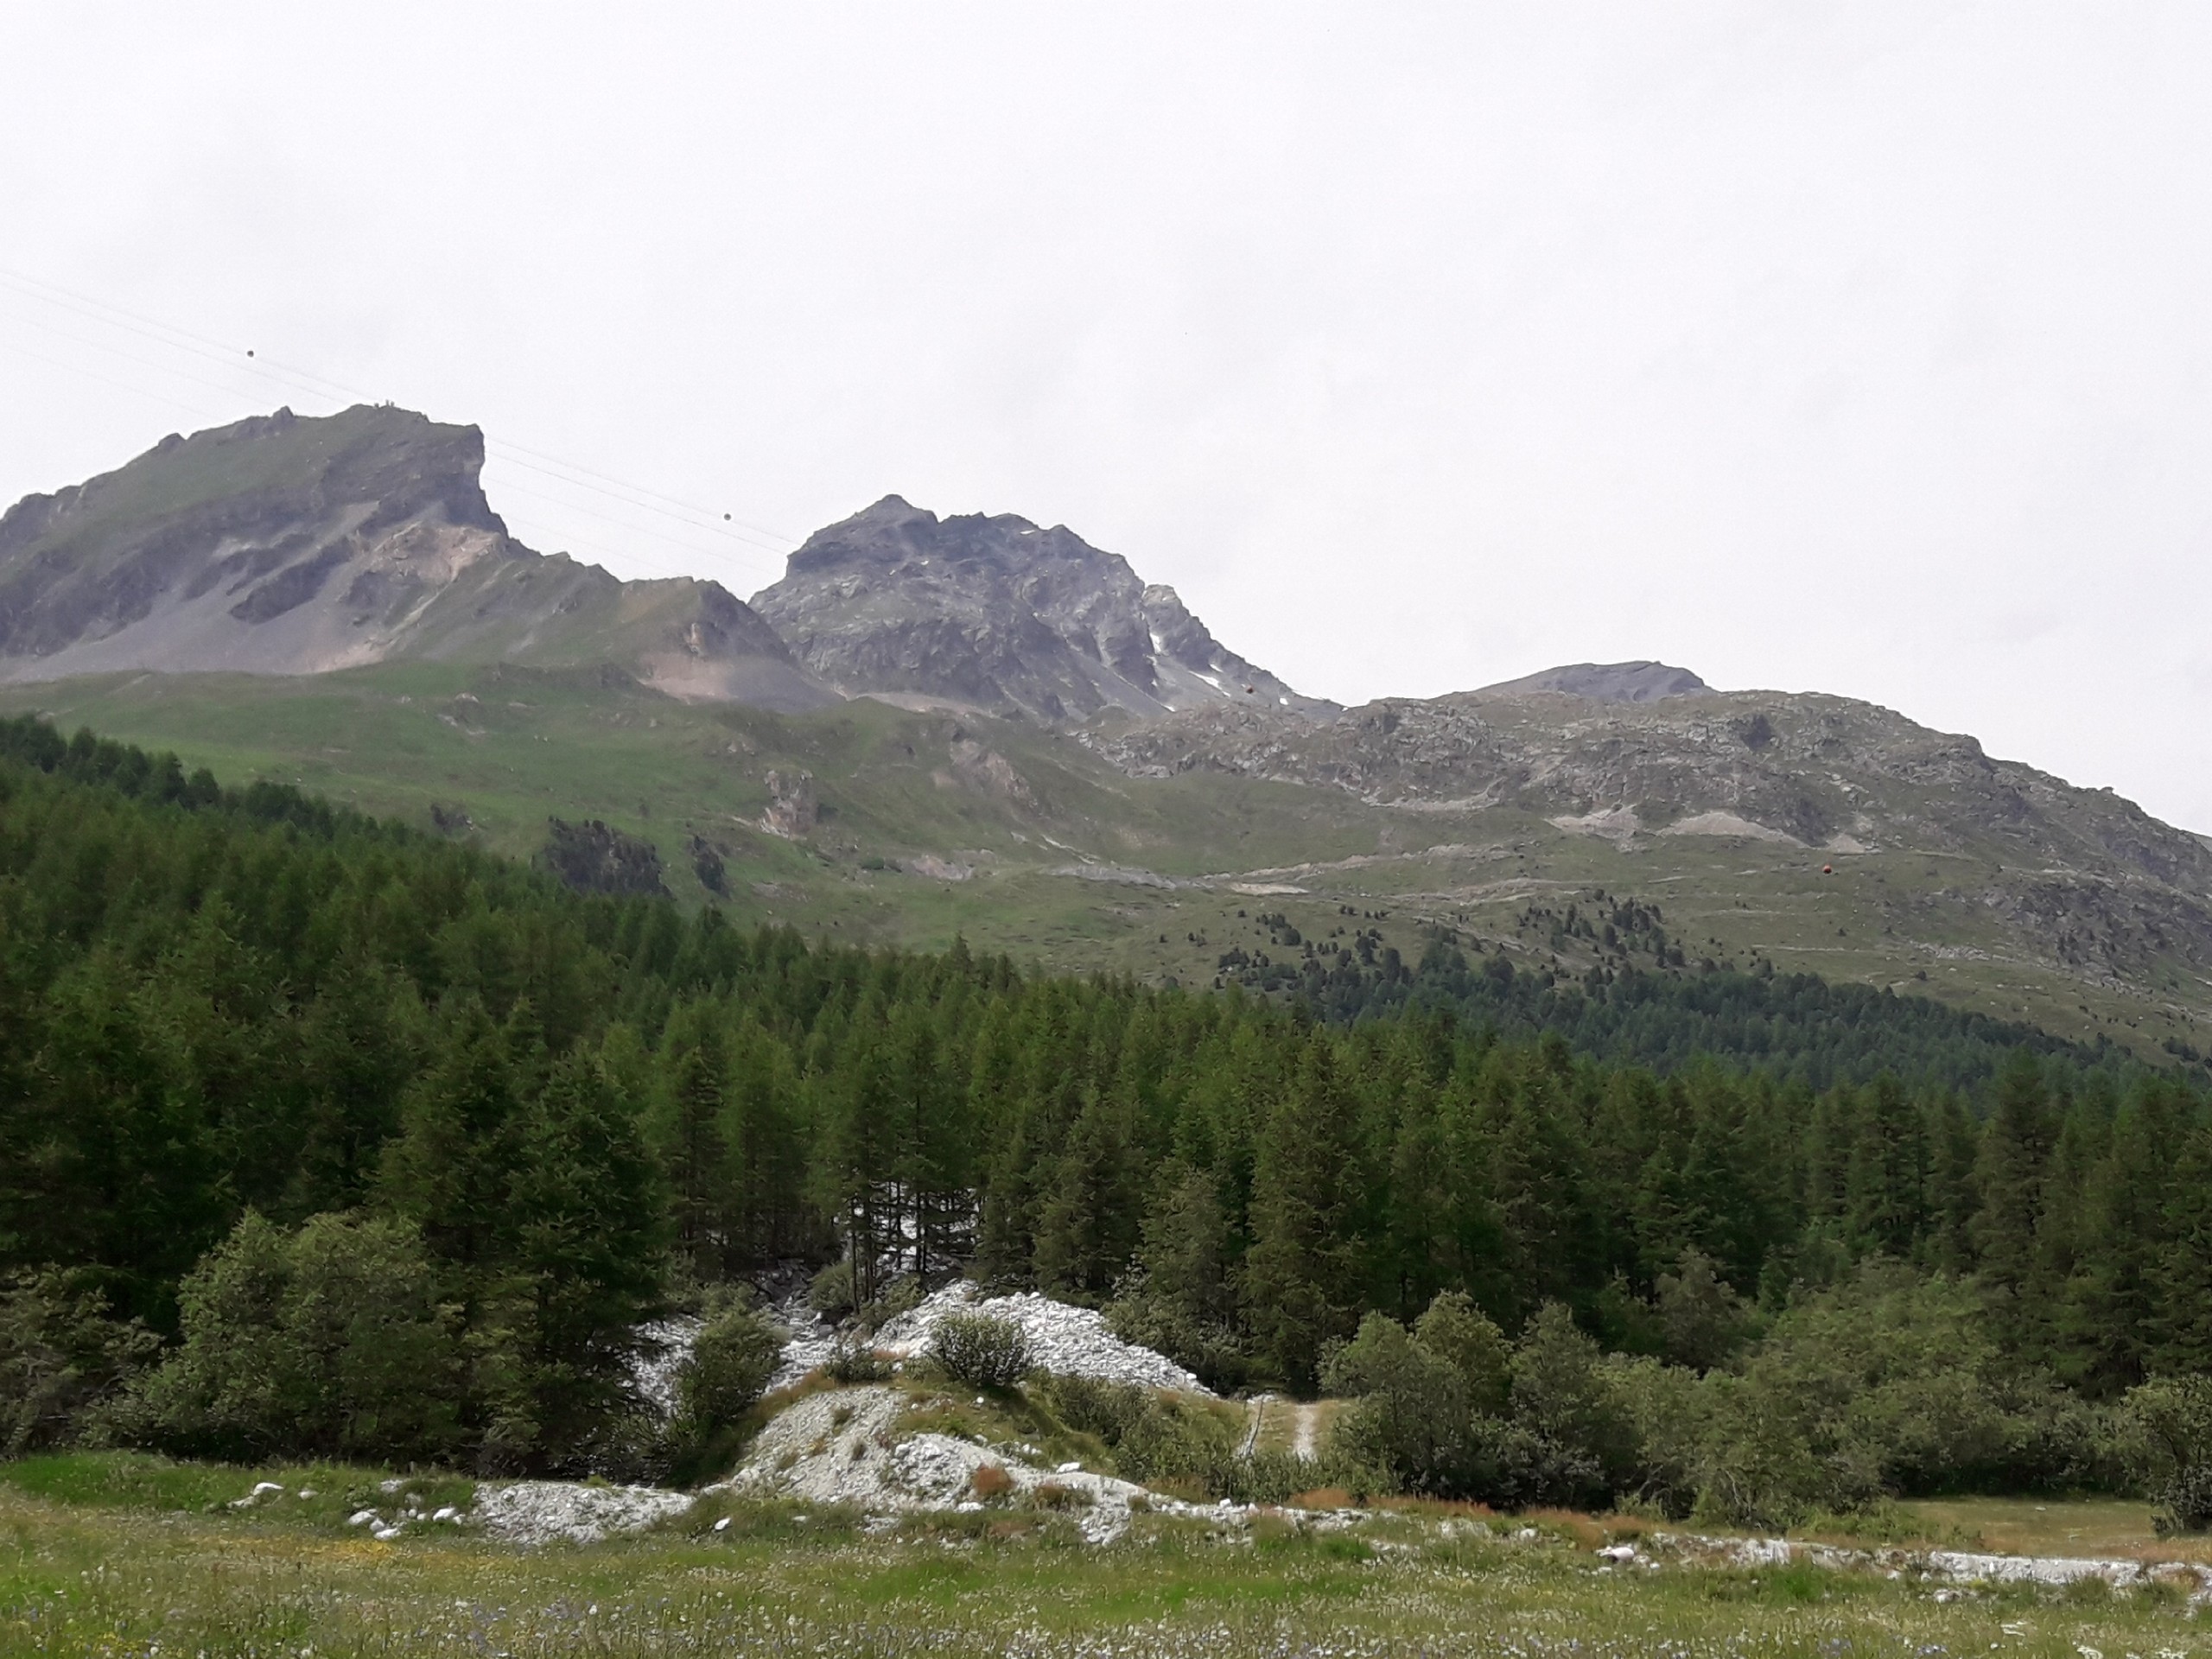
{"points": [[1585, 1530]]}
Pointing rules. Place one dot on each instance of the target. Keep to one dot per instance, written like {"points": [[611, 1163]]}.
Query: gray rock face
{"points": [[998, 614], [283, 545], [1609, 681]]}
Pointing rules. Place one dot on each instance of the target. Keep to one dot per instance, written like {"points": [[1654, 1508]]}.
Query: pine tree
{"points": [[1087, 1228], [688, 1132], [587, 1248], [2008, 1180], [1300, 1275], [1884, 1197]]}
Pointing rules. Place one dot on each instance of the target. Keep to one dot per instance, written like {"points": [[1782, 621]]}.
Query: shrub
{"points": [[1410, 1420], [855, 1362], [981, 1350], [1460, 1334], [831, 1292], [1091, 1405], [731, 1360], [2167, 1426], [62, 1359], [330, 1341]]}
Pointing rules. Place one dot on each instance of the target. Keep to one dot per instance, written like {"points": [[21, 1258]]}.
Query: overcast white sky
{"points": [[1861, 348]]}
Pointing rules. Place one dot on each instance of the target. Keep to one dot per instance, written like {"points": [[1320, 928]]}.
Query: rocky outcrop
{"points": [[998, 614], [283, 545], [590, 857]]}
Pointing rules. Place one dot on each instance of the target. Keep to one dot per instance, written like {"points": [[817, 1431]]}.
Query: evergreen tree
{"points": [[1300, 1275]]}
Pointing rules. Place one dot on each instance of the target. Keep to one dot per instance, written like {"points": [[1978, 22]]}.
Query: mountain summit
{"points": [[1607, 682], [284, 545], [997, 614]]}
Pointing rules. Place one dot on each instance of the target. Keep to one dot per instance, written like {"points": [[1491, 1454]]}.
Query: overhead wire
{"points": [[753, 537], [105, 379]]}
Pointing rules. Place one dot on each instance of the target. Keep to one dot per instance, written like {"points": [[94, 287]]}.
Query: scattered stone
{"points": [[554, 1511]]}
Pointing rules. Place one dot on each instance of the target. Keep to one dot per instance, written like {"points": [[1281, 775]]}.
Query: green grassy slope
{"points": [[1175, 871], [99, 1557]]}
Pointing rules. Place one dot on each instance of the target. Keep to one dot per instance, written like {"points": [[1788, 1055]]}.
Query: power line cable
{"points": [[105, 313]]}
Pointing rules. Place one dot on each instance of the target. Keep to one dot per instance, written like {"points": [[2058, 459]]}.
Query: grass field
{"points": [[1175, 871], [121, 1555]]}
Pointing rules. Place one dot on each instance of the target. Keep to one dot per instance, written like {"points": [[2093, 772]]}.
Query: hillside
{"points": [[871, 822], [280, 545]]}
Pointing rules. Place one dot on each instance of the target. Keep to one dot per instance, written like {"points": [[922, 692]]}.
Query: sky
{"points": [[1859, 348]]}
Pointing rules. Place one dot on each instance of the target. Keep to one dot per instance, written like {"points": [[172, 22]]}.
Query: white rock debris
{"points": [[1073, 1341], [551, 1511], [1949, 1566], [667, 1345], [809, 1342], [844, 1447]]}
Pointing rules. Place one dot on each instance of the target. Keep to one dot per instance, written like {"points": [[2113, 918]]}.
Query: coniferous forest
{"points": [[322, 1134]]}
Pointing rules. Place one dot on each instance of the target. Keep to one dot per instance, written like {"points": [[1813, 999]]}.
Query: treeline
{"points": [[430, 1102]]}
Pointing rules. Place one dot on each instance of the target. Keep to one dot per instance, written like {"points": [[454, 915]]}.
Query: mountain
{"points": [[998, 614], [1056, 761], [1609, 681], [291, 546], [2087, 881]]}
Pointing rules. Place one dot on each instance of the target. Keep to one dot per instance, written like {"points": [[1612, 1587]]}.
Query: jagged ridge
{"points": [[997, 614]]}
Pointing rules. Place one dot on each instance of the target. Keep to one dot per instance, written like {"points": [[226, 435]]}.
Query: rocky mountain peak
{"points": [[281, 544], [1608, 681], [994, 611]]}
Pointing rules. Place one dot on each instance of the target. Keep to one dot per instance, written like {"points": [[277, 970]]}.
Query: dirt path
{"points": [[1305, 1423]]}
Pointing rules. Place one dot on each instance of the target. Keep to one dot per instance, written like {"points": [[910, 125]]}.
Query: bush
{"points": [[1410, 1419], [1561, 1396], [2166, 1429], [326, 1342], [731, 1360], [1091, 1405], [62, 1359], [981, 1350], [1461, 1334], [854, 1362], [831, 1292]]}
